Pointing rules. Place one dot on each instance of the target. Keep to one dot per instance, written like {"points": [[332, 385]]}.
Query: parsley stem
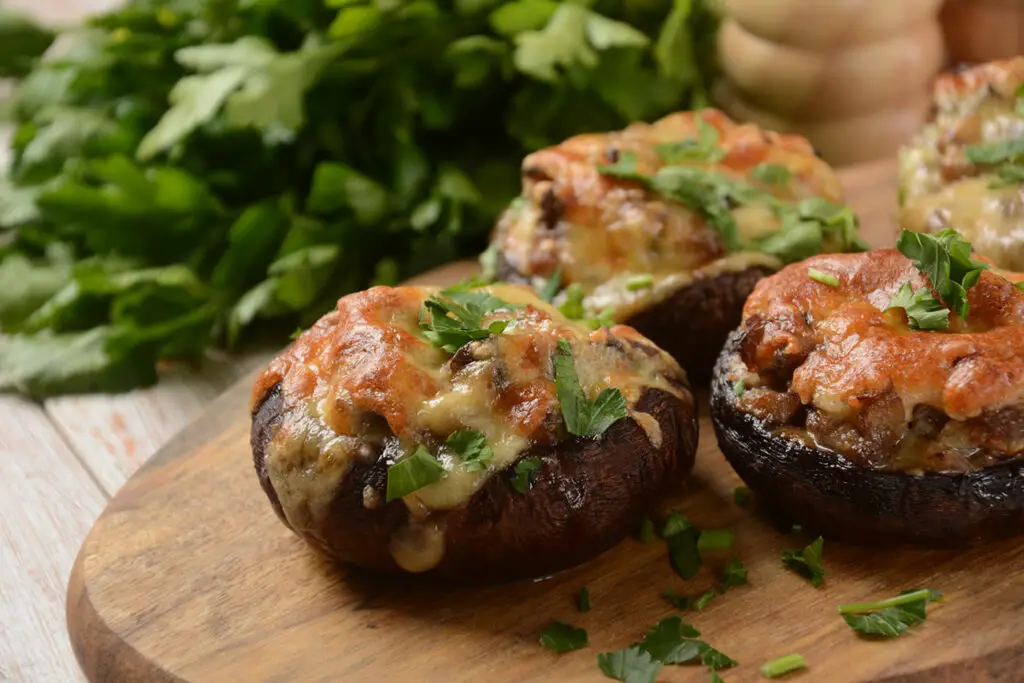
{"points": [[715, 539], [639, 282], [861, 607], [782, 666]]}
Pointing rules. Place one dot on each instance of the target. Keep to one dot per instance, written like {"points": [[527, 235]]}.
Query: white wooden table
{"points": [[59, 463]]}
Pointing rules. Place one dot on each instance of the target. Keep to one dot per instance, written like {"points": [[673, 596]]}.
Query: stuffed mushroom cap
{"points": [[493, 484], [829, 404], [963, 169], [667, 226]]}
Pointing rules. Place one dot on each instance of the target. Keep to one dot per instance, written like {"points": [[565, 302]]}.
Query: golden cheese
{"points": [[941, 188], [597, 231], [364, 384]]}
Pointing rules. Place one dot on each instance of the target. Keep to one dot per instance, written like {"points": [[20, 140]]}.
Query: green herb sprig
{"points": [[455, 318], [891, 617], [807, 562], [561, 637], [582, 416]]}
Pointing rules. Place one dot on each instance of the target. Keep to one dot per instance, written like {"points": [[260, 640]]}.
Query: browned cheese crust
{"points": [[940, 187], [596, 231], [363, 388]]}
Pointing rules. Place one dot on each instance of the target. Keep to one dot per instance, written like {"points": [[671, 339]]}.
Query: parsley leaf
{"points": [[739, 387], [472, 448], [582, 416], [741, 496], [945, 258], [823, 277], [735, 574], [572, 307], [923, 311], [670, 641], [605, 318], [704, 148], [807, 562], [552, 286], [525, 470], [416, 470], [996, 152], [891, 617], [630, 665], [783, 665], [771, 174], [454, 319], [682, 538], [560, 637], [583, 600]]}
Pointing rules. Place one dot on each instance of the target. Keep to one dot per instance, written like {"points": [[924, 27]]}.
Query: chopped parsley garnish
{"points": [[807, 562], [582, 416], [552, 286], [682, 537], [638, 282], [741, 496], [455, 318], [772, 174], [412, 473], [572, 307], [945, 259], [631, 665], [296, 334], [823, 277], [702, 600], [604, 319], [715, 539], [525, 470], [670, 641], [472, 448], [583, 600], [646, 532], [735, 575], [704, 148], [923, 311], [783, 665], [624, 168], [996, 152], [680, 602], [561, 637], [891, 617], [739, 387]]}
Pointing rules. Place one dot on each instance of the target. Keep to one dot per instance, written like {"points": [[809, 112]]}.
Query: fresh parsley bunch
{"points": [[186, 172]]}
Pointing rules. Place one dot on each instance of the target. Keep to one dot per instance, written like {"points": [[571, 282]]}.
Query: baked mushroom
{"points": [[866, 400], [965, 169], [472, 434], [667, 226]]}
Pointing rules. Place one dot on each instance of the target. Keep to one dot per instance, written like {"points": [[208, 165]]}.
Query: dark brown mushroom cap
{"points": [[826, 490], [587, 496]]}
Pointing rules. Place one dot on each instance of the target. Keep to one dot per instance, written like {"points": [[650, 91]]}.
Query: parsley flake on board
{"points": [[472, 448], [670, 641], [945, 259], [922, 310], [583, 600], [703, 600], [715, 539], [561, 637], [455, 318], [783, 665], [735, 574], [525, 470], [584, 417], [891, 617], [416, 470], [807, 562], [682, 537]]}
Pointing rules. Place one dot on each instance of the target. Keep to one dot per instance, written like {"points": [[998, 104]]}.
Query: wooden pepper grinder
{"points": [[853, 76]]}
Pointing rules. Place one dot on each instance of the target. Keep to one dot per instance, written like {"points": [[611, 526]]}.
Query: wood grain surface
{"points": [[189, 576], [47, 503]]}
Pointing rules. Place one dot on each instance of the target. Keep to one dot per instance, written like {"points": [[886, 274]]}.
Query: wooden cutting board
{"points": [[189, 576]]}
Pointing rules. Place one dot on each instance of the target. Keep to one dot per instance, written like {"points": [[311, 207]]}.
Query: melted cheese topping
{"points": [[940, 188], [845, 349], [363, 384], [597, 230]]}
